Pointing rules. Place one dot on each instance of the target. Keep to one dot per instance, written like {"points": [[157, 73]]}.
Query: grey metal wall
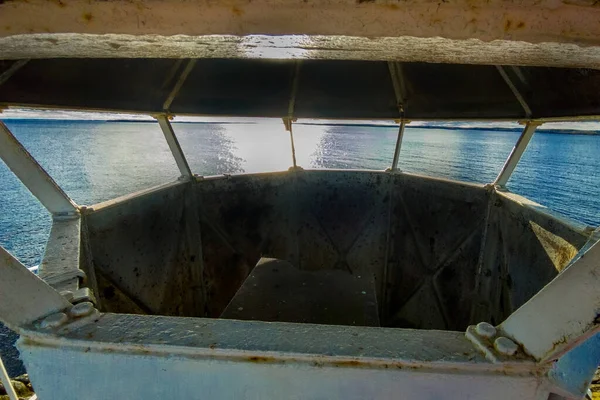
{"points": [[442, 253]]}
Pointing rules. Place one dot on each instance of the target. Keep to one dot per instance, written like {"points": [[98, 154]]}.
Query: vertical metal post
{"points": [[516, 154], [287, 122], [398, 146], [33, 176], [173, 143]]}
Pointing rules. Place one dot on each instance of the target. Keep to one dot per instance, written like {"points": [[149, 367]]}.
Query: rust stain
{"points": [[349, 363], [88, 17], [521, 25], [237, 11], [507, 25], [391, 6], [261, 359]]}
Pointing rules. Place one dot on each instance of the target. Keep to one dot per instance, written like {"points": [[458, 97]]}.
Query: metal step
{"points": [[277, 291]]}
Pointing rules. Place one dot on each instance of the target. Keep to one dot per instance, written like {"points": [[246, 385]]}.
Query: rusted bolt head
{"points": [[485, 330], [505, 346], [54, 320], [82, 309]]}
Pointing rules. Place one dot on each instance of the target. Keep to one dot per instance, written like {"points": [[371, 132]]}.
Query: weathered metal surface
{"points": [[275, 290], [61, 261], [435, 236], [139, 245], [525, 247], [563, 314], [419, 238], [23, 296], [268, 360], [326, 89], [518, 31], [574, 371], [39, 183]]}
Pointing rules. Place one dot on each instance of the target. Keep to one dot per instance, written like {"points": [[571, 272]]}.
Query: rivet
{"points": [[505, 346], [54, 320], [486, 330], [82, 309]]}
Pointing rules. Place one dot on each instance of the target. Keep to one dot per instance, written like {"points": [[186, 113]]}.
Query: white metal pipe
{"points": [[398, 146], [33, 176], [173, 143], [12, 395], [179, 84], [515, 91], [516, 154]]}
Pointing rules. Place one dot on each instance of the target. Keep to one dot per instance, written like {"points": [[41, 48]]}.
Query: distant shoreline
{"points": [[365, 125]]}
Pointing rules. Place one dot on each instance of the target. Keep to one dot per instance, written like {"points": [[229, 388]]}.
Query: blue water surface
{"points": [[95, 161]]}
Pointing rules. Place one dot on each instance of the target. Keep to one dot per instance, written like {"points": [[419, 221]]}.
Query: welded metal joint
{"points": [[516, 154]]}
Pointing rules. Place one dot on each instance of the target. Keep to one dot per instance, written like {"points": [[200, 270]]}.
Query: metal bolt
{"points": [[485, 330], [505, 346], [54, 320], [67, 294], [82, 309]]}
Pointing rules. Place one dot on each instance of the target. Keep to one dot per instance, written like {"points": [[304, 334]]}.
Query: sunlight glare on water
{"points": [[96, 161]]}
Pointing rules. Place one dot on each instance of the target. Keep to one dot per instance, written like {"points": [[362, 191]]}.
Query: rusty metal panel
{"points": [[434, 243], [140, 248]]}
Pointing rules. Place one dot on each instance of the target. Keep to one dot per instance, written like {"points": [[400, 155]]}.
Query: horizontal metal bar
{"points": [[131, 197], [516, 154], [173, 143], [563, 314], [24, 297], [33, 176], [573, 118]]}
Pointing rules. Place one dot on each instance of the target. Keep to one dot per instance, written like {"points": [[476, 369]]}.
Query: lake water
{"points": [[97, 161]]}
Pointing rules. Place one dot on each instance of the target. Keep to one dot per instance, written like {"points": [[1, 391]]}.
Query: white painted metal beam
{"points": [[229, 359], [27, 169], [23, 296], [4, 378], [175, 91], [516, 154], [516, 92], [398, 146], [167, 129], [563, 314]]}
